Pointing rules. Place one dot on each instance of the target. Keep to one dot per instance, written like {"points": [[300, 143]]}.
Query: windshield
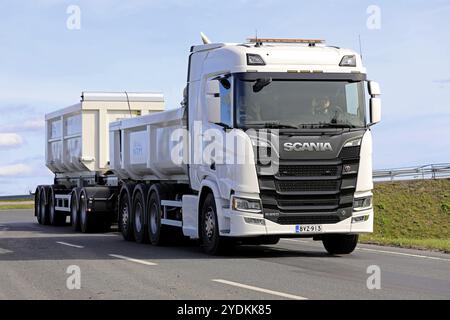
{"points": [[299, 103]]}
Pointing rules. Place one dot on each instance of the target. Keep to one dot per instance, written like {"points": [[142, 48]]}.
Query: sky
{"points": [[138, 45]]}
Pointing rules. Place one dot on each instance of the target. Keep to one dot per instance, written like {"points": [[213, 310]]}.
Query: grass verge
{"points": [[412, 214]]}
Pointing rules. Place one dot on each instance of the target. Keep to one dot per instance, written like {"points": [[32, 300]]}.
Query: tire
{"points": [[212, 242], [75, 213], [56, 218], [126, 226], [43, 211], [87, 220], [340, 243], [157, 233], [138, 215], [37, 205]]}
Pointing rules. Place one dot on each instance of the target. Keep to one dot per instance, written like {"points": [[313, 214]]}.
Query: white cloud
{"points": [[10, 140], [34, 124], [15, 170]]}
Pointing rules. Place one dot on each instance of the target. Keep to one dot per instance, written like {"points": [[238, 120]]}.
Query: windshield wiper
{"points": [[336, 125], [273, 125]]}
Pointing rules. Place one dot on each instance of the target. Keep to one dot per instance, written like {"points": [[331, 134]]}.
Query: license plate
{"points": [[308, 228]]}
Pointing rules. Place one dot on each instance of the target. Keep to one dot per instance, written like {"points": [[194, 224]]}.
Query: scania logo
{"points": [[307, 146]]}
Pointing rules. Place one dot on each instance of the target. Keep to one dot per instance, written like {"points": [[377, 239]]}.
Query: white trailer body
{"points": [[77, 136], [308, 99]]}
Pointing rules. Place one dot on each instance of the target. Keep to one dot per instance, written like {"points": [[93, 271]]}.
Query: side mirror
{"points": [[375, 110], [374, 88], [212, 93], [213, 108]]}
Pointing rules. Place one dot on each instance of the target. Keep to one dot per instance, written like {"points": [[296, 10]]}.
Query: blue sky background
{"points": [[143, 46]]}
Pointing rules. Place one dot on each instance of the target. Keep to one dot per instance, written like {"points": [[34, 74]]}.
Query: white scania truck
{"points": [[296, 109]]}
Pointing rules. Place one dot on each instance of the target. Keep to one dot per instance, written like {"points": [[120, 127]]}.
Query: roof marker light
{"points": [[348, 61], [255, 60]]}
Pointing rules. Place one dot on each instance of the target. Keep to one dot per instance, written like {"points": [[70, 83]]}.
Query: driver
{"points": [[321, 105]]}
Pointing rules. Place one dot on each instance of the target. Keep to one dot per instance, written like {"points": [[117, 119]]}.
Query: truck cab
{"points": [[298, 110]]}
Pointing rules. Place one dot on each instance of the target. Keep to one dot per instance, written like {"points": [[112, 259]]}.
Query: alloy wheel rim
{"points": [[154, 218], [209, 223]]}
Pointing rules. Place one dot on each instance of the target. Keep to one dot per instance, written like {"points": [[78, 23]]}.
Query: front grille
{"points": [[308, 219], [307, 170], [307, 186]]}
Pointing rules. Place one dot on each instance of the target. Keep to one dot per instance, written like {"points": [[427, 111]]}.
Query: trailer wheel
{"points": [[37, 205], [86, 219], [340, 243], [56, 218], [157, 232], [75, 213], [138, 215], [212, 242], [125, 217], [43, 208]]}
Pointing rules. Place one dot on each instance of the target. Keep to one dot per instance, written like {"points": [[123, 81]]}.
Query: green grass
{"points": [[413, 214], [16, 206]]}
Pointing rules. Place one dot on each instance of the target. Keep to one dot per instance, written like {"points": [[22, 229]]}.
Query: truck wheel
{"points": [[56, 218], [157, 234], [138, 215], [125, 217], [36, 206], [86, 219], [75, 213], [340, 243], [43, 211], [212, 242]]}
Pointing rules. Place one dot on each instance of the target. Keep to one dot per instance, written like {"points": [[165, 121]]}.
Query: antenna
{"points": [[205, 39], [128, 101], [257, 42], [360, 46]]}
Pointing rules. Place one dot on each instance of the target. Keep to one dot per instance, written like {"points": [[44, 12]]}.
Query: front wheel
{"points": [[340, 243], [212, 242]]}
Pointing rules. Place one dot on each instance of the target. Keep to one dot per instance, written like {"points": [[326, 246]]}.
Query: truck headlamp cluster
{"points": [[353, 143], [348, 61], [246, 205], [362, 203], [255, 60]]}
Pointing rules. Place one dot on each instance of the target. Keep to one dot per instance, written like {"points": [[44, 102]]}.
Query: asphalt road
{"points": [[34, 260]]}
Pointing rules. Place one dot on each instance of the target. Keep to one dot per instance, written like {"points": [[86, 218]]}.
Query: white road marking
{"points": [[296, 240], [404, 254], [148, 263], [3, 251], [275, 293], [383, 251], [70, 245]]}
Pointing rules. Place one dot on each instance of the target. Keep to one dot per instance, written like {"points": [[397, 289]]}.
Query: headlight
{"points": [[348, 61], [362, 203], [353, 143], [247, 205]]}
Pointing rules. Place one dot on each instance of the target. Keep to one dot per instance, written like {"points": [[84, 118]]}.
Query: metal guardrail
{"points": [[429, 171], [22, 197]]}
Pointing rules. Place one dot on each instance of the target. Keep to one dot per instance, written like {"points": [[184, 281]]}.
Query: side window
{"points": [[225, 103], [352, 97]]}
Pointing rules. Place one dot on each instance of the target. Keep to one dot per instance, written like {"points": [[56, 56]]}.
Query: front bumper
{"points": [[237, 226]]}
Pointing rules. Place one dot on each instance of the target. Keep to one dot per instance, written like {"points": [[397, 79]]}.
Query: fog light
{"points": [[254, 221], [360, 219]]}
